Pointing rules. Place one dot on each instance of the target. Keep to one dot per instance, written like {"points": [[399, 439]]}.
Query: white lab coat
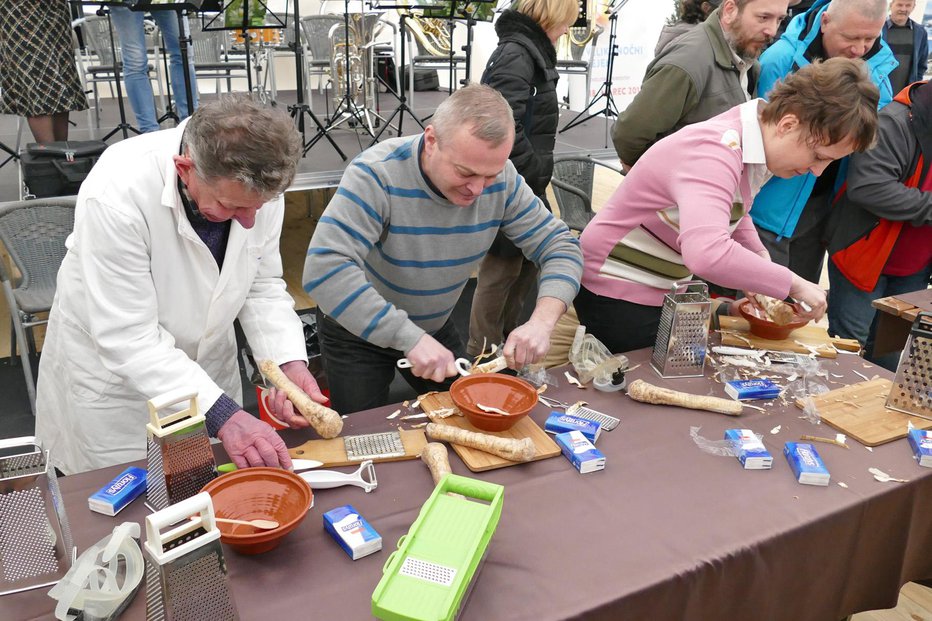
{"points": [[141, 308]]}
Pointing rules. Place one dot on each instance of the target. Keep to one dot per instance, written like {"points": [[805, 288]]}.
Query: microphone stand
{"points": [[605, 91]]}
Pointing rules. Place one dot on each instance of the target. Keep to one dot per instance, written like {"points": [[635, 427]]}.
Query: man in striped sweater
{"points": [[408, 226]]}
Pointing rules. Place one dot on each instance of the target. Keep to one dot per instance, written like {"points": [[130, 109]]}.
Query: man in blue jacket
{"points": [[790, 214], [908, 42]]}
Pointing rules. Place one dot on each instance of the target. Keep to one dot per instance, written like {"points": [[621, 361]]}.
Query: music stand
{"points": [[605, 91], [12, 155], [103, 10], [181, 8]]}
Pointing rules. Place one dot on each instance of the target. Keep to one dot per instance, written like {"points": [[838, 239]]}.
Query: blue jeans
{"points": [[129, 29], [851, 316]]}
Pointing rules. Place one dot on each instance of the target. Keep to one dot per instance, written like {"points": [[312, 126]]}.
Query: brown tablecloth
{"points": [[664, 532]]}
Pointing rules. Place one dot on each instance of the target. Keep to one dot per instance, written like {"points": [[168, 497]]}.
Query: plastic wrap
{"points": [[721, 448], [592, 360]]}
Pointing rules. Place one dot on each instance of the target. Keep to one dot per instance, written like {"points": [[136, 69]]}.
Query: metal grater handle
{"points": [[922, 326], [10, 443], [158, 424], [696, 286], [200, 506]]}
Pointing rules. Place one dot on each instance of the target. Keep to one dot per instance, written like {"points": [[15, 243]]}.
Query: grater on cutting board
{"points": [[395, 445], [180, 459], [683, 333], [428, 575], [912, 387], [36, 548], [186, 575]]}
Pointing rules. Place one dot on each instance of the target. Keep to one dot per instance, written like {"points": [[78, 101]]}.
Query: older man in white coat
{"points": [[176, 236]]}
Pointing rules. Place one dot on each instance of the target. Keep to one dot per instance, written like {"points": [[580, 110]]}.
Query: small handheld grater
{"points": [[36, 548], [912, 388], [683, 333], [374, 445], [179, 455], [436, 562], [186, 575], [605, 421]]}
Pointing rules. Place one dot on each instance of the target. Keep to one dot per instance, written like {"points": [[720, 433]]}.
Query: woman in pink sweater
{"points": [[683, 209]]}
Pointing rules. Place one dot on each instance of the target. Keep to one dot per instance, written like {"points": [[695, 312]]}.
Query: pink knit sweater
{"points": [[682, 210]]}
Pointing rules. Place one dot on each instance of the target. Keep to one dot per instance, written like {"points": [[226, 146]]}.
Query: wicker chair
{"points": [[572, 187], [33, 233]]}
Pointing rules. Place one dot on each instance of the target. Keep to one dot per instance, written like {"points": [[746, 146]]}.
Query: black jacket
{"points": [[523, 69]]}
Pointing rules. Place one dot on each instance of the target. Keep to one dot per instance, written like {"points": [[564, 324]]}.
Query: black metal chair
{"points": [[33, 233], [572, 181]]}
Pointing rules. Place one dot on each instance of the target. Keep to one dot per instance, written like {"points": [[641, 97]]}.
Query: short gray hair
{"points": [[871, 9], [238, 138], [481, 109]]}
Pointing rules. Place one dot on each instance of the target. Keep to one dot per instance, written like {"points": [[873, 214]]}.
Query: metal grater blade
{"points": [[605, 421], [36, 548], [428, 571], [156, 494], [197, 586], [912, 387], [682, 334], [374, 446]]}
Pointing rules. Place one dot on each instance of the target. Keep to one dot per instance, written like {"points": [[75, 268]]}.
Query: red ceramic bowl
{"points": [[504, 392], [766, 329], [259, 493]]}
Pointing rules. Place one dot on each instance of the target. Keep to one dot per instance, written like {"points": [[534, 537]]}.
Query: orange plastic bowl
{"points": [[259, 493], [504, 392], [766, 329]]}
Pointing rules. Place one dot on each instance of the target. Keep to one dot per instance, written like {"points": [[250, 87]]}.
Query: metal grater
{"points": [[605, 421], [36, 548], [186, 574], [374, 446], [180, 459], [683, 333], [912, 388]]}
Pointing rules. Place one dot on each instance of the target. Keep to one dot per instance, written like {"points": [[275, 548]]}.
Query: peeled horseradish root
{"points": [[639, 390], [506, 448], [325, 421], [777, 311]]}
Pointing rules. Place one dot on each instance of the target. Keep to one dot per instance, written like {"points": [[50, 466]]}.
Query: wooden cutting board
{"points": [[333, 452], [737, 332], [858, 411], [478, 461]]}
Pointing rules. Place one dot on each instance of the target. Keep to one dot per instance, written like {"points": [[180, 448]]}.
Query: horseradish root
{"points": [[506, 448], [639, 390], [437, 460], [325, 421], [778, 311]]}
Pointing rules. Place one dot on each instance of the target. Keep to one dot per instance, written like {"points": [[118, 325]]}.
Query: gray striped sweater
{"points": [[390, 256]]}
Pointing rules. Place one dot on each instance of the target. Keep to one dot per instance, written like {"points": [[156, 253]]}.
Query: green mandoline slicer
{"points": [[427, 577]]}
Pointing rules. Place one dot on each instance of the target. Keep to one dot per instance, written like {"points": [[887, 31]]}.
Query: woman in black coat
{"points": [[523, 69]]}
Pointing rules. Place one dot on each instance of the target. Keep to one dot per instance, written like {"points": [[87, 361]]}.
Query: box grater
{"points": [[429, 574], [912, 388], [36, 548], [683, 333], [186, 575], [180, 459]]}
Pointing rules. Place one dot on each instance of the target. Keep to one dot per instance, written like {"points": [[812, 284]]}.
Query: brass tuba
{"points": [[431, 34], [350, 62]]}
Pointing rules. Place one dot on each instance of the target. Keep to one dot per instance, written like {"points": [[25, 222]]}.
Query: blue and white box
{"points": [[751, 452], [584, 456], [351, 530], [746, 390], [558, 422], [806, 464], [921, 441], [124, 489]]}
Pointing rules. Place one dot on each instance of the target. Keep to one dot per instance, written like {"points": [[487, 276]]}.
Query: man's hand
{"points": [[810, 293], [250, 442], [431, 360], [530, 342], [283, 409]]}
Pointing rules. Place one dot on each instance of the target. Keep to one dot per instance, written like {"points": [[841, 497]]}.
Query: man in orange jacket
{"points": [[880, 232]]}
